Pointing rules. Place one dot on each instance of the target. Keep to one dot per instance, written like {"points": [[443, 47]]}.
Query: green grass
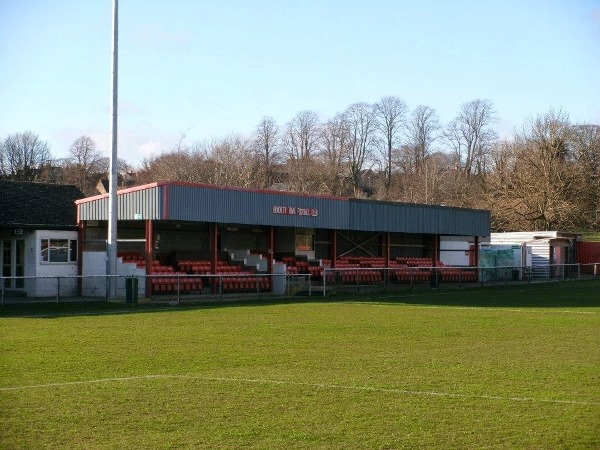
{"points": [[514, 367]]}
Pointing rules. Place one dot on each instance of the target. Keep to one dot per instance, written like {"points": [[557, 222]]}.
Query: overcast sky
{"points": [[210, 68]]}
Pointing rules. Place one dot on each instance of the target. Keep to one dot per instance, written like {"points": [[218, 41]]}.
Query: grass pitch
{"points": [[481, 368]]}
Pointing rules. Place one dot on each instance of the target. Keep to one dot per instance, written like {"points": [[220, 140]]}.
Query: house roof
{"points": [[27, 204]]}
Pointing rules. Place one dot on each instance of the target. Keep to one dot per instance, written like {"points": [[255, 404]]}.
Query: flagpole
{"points": [[111, 250]]}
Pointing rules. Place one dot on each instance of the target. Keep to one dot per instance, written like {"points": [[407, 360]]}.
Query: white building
{"points": [[38, 239]]}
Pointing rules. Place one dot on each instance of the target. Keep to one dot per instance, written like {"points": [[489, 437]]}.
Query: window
{"points": [[59, 250], [304, 242]]}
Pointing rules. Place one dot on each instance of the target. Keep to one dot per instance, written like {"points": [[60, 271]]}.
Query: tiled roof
{"points": [[25, 203]]}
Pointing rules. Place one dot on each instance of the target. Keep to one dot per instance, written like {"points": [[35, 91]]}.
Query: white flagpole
{"points": [[111, 250]]}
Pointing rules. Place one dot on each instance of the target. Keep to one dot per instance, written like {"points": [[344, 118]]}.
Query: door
{"points": [[13, 263]]}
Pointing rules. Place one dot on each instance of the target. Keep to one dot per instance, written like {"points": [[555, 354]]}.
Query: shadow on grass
{"points": [[536, 295], [557, 294]]}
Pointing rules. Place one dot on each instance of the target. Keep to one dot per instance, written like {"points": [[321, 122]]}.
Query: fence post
{"points": [[57, 289], [221, 287], [178, 288], [309, 285], [386, 275], [324, 281]]}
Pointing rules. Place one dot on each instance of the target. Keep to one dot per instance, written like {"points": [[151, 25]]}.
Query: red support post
{"points": [[271, 253], [80, 238], [148, 247], [214, 255], [333, 248], [476, 250], [436, 250], [386, 249]]}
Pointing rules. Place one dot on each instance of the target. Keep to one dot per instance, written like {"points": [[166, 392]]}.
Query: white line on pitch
{"points": [[294, 383]]}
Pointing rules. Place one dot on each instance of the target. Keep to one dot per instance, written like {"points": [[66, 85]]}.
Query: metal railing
{"points": [[179, 287], [397, 278], [173, 287]]}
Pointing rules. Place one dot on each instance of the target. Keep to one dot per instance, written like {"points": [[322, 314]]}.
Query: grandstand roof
{"points": [[191, 202]]}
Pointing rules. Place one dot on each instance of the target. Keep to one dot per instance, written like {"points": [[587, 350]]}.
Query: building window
{"points": [[59, 250], [304, 242]]}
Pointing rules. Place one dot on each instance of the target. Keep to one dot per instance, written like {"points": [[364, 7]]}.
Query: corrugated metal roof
{"points": [[206, 203]]}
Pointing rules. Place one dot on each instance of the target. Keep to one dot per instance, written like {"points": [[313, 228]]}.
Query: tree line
{"points": [[545, 176], [26, 157]]}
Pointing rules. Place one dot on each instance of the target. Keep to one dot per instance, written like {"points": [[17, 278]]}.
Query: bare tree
{"points": [[23, 156], [300, 143], [84, 166], [333, 138], [301, 135], [233, 163], [360, 121], [535, 183], [391, 112], [470, 135], [266, 142], [586, 155], [421, 131]]}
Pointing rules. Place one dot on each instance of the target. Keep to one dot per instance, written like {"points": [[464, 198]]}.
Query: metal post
{"points": [[57, 289], [309, 285], [324, 280], [112, 198], [221, 287], [178, 288]]}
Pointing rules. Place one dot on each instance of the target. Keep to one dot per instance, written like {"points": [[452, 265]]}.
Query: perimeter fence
{"points": [[176, 288]]}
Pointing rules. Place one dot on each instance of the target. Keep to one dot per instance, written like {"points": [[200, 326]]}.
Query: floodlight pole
{"points": [[111, 248]]}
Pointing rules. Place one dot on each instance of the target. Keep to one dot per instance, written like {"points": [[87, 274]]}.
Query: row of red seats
{"points": [[417, 262], [364, 261], [245, 284], [411, 276], [169, 285], [458, 275], [293, 266], [362, 277], [131, 256], [153, 264], [204, 267]]}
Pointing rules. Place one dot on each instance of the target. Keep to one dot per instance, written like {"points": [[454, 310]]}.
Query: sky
{"points": [[207, 69]]}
